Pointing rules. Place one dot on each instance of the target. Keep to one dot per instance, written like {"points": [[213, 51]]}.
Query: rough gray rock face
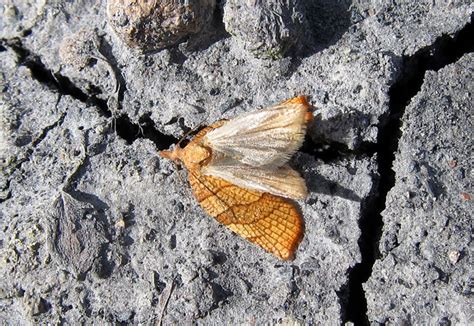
{"points": [[266, 28], [95, 228], [425, 273], [410, 25]]}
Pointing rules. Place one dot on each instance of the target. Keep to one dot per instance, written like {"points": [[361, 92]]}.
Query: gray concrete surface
{"points": [[425, 273], [96, 228]]}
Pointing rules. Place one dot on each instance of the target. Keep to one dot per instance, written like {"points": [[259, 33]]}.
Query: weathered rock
{"points": [[75, 234], [153, 25], [18, 17], [410, 25], [425, 273], [47, 133], [266, 28], [36, 306]]}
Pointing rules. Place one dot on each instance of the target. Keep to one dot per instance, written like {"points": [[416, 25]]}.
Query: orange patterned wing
{"points": [[267, 220]]}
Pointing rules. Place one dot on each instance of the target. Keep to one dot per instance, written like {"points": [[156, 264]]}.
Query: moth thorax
{"points": [[197, 155]]}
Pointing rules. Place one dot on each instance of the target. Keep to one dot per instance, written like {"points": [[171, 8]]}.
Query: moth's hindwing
{"points": [[281, 181], [269, 221]]}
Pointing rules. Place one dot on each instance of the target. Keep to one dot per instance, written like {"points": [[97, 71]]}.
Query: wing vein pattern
{"points": [[268, 137], [269, 221]]}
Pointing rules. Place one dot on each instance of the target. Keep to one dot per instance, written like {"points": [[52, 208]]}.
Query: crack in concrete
{"points": [[444, 51], [29, 151], [125, 128], [44, 132], [54, 81]]}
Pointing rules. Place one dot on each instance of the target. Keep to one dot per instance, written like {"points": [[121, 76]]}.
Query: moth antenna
{"points": [[187, 133]]}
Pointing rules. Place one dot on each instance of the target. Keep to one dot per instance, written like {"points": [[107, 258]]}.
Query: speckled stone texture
{"points": [[425, 273], [95, 228]]}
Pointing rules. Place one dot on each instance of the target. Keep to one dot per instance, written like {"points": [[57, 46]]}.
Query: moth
{"points": [[239, 174]]}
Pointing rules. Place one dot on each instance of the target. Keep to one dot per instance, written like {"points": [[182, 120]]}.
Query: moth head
{"points": [[173, 155]]}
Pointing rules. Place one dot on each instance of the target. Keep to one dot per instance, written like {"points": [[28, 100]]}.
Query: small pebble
{"points": [[452, 163], [465, 196], [155, 25], [268, 29], [454, 256]]}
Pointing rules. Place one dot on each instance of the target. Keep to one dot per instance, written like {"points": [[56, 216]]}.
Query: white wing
{"points": [[282, 181], [268, 137]]}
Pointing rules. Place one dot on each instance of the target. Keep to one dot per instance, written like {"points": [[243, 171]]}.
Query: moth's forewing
{"points": [[267, 137]]}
